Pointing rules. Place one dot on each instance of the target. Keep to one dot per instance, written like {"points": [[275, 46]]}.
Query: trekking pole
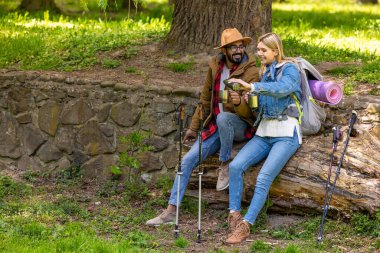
{"points": [[336, 135], [200, 173], [337, 172], [179, 171]]}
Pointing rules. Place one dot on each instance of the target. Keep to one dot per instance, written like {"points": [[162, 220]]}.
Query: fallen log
{"points": [[300, 187]]}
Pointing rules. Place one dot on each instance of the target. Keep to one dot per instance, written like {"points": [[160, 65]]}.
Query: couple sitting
{"points": [[277, 136]]}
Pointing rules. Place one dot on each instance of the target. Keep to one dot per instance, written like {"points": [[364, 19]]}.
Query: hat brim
{"points": [[246, 41]]}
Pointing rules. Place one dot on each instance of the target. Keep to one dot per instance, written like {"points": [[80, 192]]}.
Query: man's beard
{"points": [[235, 59]]}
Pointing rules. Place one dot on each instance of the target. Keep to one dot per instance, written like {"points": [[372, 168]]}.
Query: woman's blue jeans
{"points": [[230, 128], [278, 151]]}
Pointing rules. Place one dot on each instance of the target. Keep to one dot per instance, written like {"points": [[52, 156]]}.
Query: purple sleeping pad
{"points": [[326, 92]]}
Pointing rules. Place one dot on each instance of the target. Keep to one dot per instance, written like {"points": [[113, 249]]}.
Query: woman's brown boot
{"points": [[240, 234], [233, 220]]}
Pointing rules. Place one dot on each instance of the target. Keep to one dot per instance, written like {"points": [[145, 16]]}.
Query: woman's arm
{"points": [[288, 83]]}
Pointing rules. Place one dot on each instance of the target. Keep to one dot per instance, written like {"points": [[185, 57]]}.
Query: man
{"points": [[223, 123]]}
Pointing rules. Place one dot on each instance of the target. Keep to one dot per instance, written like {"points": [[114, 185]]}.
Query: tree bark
{"points": [[35, 5], [198, 24], [367, 1]]}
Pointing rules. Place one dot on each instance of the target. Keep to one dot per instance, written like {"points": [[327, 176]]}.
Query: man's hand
{"points": [[245, 96], [235, 97], [190, 136]]}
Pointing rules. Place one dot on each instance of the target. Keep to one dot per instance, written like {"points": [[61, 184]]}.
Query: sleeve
{"points": [[205, 99], [287, 84]]}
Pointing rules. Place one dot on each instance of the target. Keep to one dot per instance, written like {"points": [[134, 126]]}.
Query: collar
{"points": [[272, 69]]}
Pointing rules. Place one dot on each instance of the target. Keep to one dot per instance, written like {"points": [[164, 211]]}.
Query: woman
{"points": [[278, 135]]}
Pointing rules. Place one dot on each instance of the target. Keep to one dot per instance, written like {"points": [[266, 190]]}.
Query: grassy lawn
{"points": [[336, 31], [41, 214]]}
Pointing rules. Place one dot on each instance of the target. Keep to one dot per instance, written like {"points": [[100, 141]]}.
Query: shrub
{"points": [[10, 188], [111, 64], [260, 246], [181, 242], [180, 66]]}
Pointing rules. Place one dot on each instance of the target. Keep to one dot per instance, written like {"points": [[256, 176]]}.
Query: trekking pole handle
{"points": [[200, 111], [353, 118], [336, 134], [182, 111]]}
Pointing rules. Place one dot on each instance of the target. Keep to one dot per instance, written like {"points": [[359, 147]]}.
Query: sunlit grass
{"points": [[337, 31], [343, 26], [62, 43]]}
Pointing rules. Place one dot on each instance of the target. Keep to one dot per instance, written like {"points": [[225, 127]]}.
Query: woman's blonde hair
{"points": [[273, 41]]}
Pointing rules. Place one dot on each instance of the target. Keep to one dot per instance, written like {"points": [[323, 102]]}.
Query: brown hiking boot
{"points": [[166, 217], [240, 234], [233, 219], [223, 177]]}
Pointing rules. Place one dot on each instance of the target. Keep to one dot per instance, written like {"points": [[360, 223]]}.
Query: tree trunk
{"points": [[300, 187], [35, 5], [198, 24], [132, 5], [367, 1]]}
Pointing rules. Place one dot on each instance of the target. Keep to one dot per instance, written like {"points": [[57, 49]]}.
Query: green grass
{"points": [[131, 70], [49, 42], [180, 66], [10, 188], [181, 242], [337, 31], [260, 246], [111, 63], [56, 218]]}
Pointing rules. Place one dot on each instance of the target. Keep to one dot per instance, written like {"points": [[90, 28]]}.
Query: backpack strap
{"points": [[293, 95], [298, 104]]}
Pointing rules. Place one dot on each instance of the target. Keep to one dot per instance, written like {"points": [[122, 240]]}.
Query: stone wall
{"points": [[52, 122]]}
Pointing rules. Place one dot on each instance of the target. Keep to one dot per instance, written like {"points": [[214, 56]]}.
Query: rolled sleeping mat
{"points": [[326, 92]]}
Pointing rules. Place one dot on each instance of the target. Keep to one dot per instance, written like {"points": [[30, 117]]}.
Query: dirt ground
{"points": [[150, 68]]}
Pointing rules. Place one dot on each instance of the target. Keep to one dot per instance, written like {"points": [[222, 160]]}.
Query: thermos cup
{"points": [[223, 96], [253, 100]]}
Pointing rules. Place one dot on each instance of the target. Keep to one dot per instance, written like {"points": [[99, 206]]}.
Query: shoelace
{"points": [[233, 219], [165, 214], [241, 229]]}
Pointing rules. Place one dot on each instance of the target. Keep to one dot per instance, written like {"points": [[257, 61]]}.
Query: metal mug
{"points": [[223, 96], [253, 100]]}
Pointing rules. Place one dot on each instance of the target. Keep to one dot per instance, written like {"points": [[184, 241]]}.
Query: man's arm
{"points": [[205, 99]]}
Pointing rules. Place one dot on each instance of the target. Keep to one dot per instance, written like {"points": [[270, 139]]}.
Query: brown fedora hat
{"points": [[231, 35]]}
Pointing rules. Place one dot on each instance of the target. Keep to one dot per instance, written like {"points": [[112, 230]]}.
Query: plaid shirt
{"points": [[212, 127]]}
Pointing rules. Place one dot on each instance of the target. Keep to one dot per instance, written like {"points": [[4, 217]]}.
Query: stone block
{"points": [[76, 112], [48, 117]]}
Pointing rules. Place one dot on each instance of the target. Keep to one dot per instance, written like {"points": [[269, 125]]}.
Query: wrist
{"points": [[253, 87]]}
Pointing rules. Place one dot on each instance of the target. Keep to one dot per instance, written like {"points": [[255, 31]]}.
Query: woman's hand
{"points": [[244, 85]]}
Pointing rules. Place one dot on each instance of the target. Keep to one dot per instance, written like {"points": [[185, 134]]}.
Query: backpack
{"points": [[311, 114]]}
